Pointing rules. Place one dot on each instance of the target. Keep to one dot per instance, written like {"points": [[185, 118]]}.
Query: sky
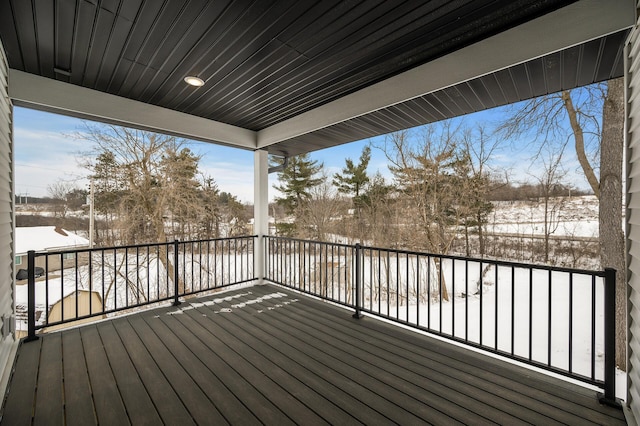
{"points": [[46, 153]]}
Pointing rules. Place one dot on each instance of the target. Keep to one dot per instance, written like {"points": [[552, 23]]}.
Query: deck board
{"points": [[137, 402], [201, 409], [323, 380], [19, 404], [243, 390], [266, 355], [224, 400], [167, 403], [77, 389], [107, 401], [295, 410], [49, 400]]}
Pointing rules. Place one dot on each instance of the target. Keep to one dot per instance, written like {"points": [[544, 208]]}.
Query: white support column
{"points": [[260, 208]]}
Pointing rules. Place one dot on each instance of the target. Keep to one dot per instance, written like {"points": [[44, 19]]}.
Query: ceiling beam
{"points": [[569, 26], [45, 94]]}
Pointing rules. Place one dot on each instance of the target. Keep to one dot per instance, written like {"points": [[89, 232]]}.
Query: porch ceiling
{"points": [[293, 77]]}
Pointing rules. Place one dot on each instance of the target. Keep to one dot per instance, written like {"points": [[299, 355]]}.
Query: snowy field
{"points": [[570, 217]]}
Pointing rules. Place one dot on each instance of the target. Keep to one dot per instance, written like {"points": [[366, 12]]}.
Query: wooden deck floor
{"points": [[264, 355]]}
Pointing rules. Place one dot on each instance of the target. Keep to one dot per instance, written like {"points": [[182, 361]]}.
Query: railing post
{"points": [[31, 296], [358, 283], [609, 397], [176, 272]]}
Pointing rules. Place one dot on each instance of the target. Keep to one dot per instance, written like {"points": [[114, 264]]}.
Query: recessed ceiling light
{"points": [[194, 81]]}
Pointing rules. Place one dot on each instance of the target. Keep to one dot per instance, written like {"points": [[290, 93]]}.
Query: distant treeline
{"points": [[28, 199], [504, 191]]}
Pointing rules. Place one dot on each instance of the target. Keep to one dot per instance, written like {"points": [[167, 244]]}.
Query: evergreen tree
{"points": [[353, 178], [296, 180]]}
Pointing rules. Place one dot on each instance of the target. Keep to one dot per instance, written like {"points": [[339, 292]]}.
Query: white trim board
{"points": [[45, 94]]}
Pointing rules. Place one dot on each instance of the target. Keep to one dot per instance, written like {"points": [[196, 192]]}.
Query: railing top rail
{"points": [[493, 261], [133, 246], [505, 263], [302, 240]]}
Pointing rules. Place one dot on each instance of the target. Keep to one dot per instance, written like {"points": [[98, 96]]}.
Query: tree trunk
{"points": [[579, 140], [611, 234]]}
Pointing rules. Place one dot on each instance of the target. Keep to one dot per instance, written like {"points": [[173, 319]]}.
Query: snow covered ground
{"points": [[575, 217]]}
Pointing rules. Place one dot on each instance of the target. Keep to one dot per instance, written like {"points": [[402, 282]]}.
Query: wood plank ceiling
{"points": [[266, 61]]}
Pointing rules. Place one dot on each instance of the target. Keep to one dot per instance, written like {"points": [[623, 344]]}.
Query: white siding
{"points": [[7, 340], [633, 219]]}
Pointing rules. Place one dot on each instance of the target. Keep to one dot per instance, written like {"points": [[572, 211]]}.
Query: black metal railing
{"points": [[71, 285], [558, 319]]}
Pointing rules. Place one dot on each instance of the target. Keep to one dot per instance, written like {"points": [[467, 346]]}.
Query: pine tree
{"points": [[296, 180], [353, 178]]}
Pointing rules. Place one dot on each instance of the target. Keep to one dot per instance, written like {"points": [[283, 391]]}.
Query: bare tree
{"points": [[317, 212], [476, 184], [59, 191], [148, 179], [427, 173], [549, 178], [378, 204], [424, 169]]}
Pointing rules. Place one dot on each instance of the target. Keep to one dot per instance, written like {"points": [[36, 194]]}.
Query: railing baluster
{"points": [[176, 273], [440, 273], [388, 270], [184, 266], [593, 327], [61, 291], [418, 279], [570, 322], [549, 325], [513, 308], [452, 297], [407, 291], [530, 314], [481, 284], [90, 282], [126, 276], [115, 279], [358, 282], [104, 298], [209, 264], [46, 281], [77, 296], [495, 285], [398, 286], [466, 299]]}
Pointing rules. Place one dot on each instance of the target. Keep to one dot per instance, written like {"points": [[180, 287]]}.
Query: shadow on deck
{"points": [[263, 354]]}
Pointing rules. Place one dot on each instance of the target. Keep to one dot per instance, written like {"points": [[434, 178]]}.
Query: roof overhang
{"points": [[587, 34]]}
